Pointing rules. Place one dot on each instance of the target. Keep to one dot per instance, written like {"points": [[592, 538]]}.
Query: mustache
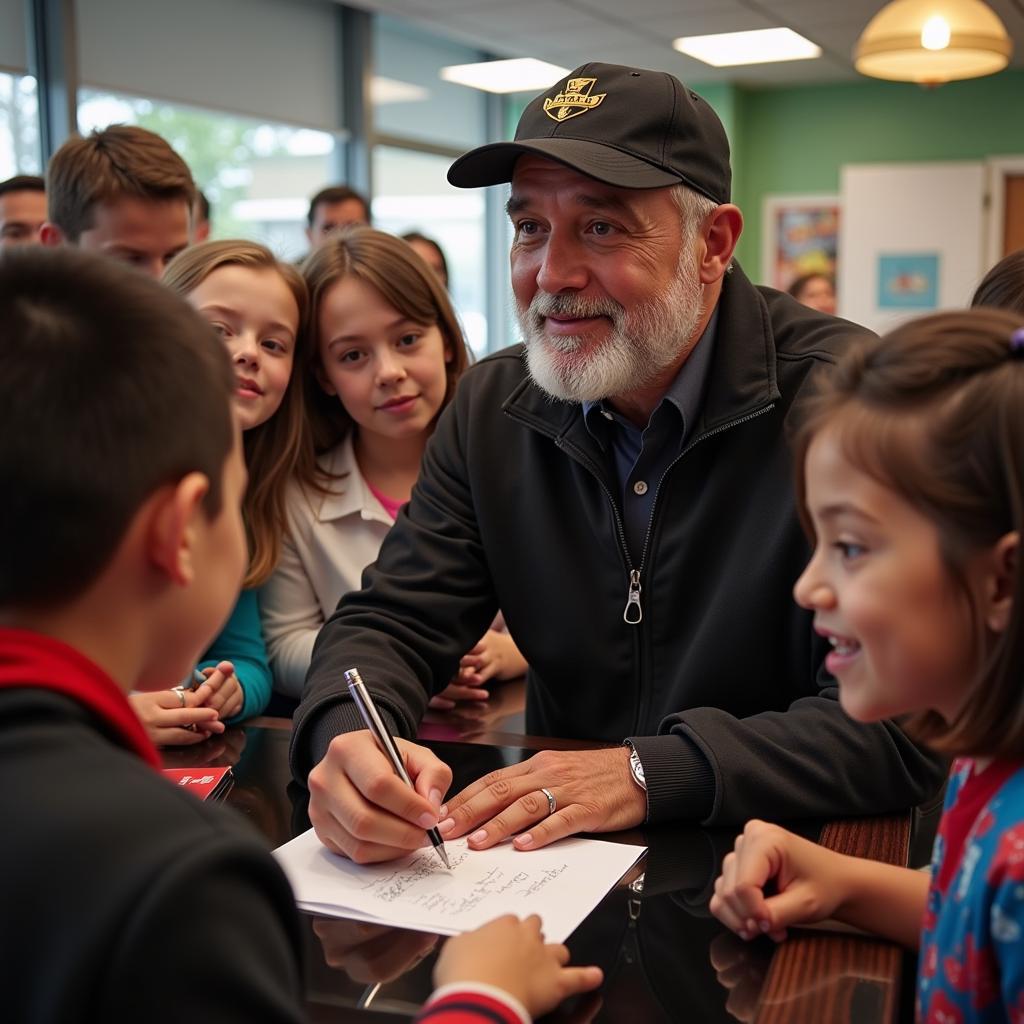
{"points": [[571, 305]]}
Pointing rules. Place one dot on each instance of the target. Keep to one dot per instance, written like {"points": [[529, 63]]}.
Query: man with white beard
{"points": [[623, 495]]}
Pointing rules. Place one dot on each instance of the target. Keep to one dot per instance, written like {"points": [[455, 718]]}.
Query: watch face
{"points": [[637, 768]]}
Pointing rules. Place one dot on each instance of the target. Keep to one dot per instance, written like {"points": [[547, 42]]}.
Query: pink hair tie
{"points": [[1017, 343]]}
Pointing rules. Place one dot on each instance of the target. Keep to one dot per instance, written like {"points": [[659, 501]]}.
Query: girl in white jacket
{"points": [[387, 353]]}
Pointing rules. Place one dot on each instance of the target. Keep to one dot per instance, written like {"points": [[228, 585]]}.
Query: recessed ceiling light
{"points": [[761, 46], [521, 75], [391, 90]]}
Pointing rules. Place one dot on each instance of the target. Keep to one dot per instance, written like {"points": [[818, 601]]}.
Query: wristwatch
{"points": [[636, 767]]}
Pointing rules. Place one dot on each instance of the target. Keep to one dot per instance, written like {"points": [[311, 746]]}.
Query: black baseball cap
{"points": [[623, 126]]}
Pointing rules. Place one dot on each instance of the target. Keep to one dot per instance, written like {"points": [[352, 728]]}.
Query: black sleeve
{"points": [[771, 766], [215, 938], [427, 599]]}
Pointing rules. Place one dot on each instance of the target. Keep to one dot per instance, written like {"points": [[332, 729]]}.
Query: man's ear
{"points": [[309, 237], [719, 234], [171, 535], [1000, 576], [50, 234]]}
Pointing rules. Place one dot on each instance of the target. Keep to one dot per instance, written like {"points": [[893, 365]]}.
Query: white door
{"points": [[912, 239]]}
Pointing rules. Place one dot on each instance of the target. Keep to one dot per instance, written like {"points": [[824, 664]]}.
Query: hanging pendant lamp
{"points": [[933, 41]]}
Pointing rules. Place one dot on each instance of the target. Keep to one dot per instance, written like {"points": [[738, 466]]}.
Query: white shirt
{"points": [[331, 538]]}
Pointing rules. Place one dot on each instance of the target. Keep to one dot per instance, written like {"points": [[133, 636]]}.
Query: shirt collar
{"points": [[685, 393], [348, 493], [31, 660]]}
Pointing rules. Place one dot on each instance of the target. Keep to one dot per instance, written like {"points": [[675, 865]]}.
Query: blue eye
{"points": [[849, 550]]}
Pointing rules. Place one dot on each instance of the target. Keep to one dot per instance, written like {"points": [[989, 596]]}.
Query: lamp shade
{"points": [[933, 41]]}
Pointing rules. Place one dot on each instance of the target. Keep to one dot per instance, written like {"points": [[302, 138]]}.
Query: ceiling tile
{"points": [[639, 9], [700, 23], [639, 32]]}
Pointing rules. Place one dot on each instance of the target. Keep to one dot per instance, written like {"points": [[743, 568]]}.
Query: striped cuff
{"points": [[472, 1002]]}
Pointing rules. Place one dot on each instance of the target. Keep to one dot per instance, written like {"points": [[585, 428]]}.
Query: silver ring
{"points": [[180, 691], [191, 727], [551, 800]]}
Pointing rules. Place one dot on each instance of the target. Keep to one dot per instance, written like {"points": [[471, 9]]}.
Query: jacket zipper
{"points": [[633, 613]]}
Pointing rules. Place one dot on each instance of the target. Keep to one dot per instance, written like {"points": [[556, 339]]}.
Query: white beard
{"points": [[643, 343]]}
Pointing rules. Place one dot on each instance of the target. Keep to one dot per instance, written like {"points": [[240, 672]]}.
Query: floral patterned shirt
{"points": [[972, 951]]}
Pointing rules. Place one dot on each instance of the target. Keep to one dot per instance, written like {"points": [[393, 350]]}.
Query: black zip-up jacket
{"points": [[720, 686]]}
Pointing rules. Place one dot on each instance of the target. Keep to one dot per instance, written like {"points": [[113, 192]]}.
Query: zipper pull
{"points": [[633, 612]]}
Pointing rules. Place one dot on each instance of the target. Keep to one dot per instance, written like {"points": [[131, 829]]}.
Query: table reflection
{"points": [[664, 957]]}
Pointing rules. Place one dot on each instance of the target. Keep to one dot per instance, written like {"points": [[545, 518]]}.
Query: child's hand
{"points": [[226, 696], [807, 877], [456, 691], [511, 955], [494, 657], [176, 718]]}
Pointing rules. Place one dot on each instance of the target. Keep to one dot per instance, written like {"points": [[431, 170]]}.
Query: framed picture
{"points": [[800, 235], [908, 281]]}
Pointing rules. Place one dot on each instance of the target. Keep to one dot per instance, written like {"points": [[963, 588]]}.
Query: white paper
{"points": [[562, 883]]}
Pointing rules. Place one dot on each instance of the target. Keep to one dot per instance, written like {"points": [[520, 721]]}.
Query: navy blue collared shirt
{"points": [[641, 456]]}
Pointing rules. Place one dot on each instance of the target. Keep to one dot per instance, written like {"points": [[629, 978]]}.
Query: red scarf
{"points": [[32, 661]]}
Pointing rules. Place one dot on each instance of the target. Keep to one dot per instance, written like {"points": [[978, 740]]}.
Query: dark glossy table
{"points": [[664, 957]]}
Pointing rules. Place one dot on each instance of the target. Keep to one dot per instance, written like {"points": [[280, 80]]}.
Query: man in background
{"points": [[22, 210], [124, 192], [332, 208]]}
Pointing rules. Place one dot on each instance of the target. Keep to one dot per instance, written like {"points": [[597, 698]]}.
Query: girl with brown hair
{"points": [[258, 305], [387, 353], [910, 476]]}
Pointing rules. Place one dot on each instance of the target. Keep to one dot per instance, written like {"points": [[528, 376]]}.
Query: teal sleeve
{"points": [[241, 643]]}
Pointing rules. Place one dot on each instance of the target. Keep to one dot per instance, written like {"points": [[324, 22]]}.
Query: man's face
{"points": [[606, 287], [329, 217], [22, 214], [147, 233]]}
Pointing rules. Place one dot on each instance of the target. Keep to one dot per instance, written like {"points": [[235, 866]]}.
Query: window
{"points": [[257, 175], [413, 194], [410, 99], [19, 126]]}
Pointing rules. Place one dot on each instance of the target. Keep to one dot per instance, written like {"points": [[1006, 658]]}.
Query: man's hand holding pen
{"points": [[362, 810]]}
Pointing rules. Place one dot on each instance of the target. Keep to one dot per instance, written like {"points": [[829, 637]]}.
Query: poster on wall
{"points": [[908, 280], [800, 236]]}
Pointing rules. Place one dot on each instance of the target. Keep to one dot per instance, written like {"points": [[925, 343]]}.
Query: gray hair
{"points": [[693, 208]]}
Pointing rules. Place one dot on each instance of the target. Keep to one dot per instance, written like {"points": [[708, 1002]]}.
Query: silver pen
{"points": [[386, 742]]}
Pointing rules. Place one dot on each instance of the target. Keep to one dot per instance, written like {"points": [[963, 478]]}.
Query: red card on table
{"points": [[205, 783]]}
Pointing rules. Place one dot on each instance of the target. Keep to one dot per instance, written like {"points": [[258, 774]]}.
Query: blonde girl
{"points": [[911, 479], [258, 306], [386, 356]]}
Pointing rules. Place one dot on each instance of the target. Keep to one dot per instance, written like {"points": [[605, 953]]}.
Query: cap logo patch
{"points": [[576, 99]]}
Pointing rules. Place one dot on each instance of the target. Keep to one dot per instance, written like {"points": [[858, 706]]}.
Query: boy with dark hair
{"points": [[124, 551], [125, 897], [22, 210], [333, 208], [122, 191]]}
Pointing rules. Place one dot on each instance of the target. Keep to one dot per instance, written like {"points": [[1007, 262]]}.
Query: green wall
{"points": [[795, 140]]}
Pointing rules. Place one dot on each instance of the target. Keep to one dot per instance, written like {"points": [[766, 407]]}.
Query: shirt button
{"points": [[640, 487]]}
